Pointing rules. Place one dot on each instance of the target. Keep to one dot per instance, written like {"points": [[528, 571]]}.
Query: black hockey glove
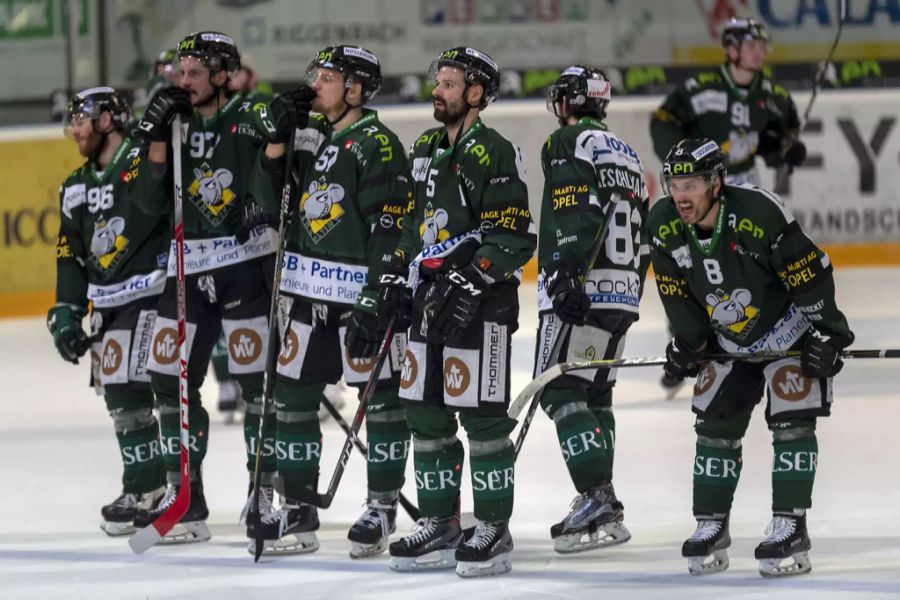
{"points": [[394, 296], [363, 333], [820, 355], [795, 153], [451, 303], [290, 111], [681, 362], [156, 125], [252, 216], [570, 303], [778, 149], [64, 323]]}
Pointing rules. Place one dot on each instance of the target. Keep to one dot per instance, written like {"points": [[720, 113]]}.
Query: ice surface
{"points": [[60, 464]]}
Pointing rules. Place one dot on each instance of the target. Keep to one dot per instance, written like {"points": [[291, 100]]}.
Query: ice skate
{"points": [[431, 546], [266, 506], [118, 515], [369, 535], [707, 549], [785, 550], [595, 521], [192, 527], [289, 530], [486, 552]]}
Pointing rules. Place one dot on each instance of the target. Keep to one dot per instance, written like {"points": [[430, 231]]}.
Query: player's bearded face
{"points": [[693, 197], [447, 96], [89, 142]]}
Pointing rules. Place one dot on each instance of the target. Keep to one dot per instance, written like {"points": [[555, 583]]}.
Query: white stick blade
{"points": [[144, 539]]}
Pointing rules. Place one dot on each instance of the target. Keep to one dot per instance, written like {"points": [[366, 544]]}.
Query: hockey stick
{"points": [[254, 518], [565, 327], [539, 382], [150, 535], [311, 496], [411, 509], [817, 85]]}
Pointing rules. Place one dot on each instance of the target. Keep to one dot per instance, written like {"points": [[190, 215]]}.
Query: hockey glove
{"points": [[156, 125], [252, 216], [795, 153], [64, 323], [820, 355], [290, 111], [681, 361], [394, 296], [363, 334], [570, 303], [451, 303]]}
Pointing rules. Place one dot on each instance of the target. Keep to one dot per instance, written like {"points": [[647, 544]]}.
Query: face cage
{"points": [[761, 35], [93, 113]]}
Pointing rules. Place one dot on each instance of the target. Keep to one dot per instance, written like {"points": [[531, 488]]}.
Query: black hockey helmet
{"points": [[166, 58], [215, 50], [738, 30], [692, 158], [477, 67], [355, 63], [94, 101], [586, 90]]}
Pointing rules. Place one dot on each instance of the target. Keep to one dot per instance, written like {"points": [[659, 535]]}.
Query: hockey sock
{"points": [[600, 403], [438, 466], [493, 478], [388, 443], [138, 435], [794, 465], [581, 437], [251, 432], [170, 436], [298, 440], [717, 468]]}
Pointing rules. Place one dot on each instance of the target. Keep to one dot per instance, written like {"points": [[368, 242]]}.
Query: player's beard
{"points": [[451, 113], [92, 146]]}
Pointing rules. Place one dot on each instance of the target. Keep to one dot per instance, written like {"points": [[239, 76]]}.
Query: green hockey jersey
{"points": [[108, 251], [473, 188], [217, 158], [757, 283], [346, 212], [712, 106], [585, 168]]}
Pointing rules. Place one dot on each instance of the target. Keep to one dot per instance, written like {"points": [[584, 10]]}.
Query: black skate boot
{"points": [[785, 549], [432, 545], [595, 521], [486, 552], [266, 506], [192, 527], [289, 530], [118, 515], [707, 549], [369, 535], [230, 403]]}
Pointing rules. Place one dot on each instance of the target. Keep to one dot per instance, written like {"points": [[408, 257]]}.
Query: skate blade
{"points": [[188, 532], [360, 550], [796, 564], [707, 565], [113, 529], [289, 544], [439, 559], [613, 534], [498, 565]]}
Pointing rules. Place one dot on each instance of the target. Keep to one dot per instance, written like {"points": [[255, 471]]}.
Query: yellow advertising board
{"points": [[31, 168]]}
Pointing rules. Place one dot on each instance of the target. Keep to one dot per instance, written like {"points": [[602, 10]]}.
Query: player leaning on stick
{"points": [[112, 255], [353, 187], [736, 273], [469, 233], [586, 168], [228, 258]]}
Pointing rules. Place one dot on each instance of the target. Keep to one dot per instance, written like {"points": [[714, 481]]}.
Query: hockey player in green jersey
{"points": [[588, 171], [736, 273], [463, 242], [112, 256], [228, 258], [345, 217], [737, 106]]}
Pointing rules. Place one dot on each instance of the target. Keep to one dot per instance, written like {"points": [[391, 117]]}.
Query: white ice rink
{"points": [[60, 464]]}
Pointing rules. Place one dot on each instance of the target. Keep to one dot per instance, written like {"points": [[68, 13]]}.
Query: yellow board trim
{"points": [[781, 53]]}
